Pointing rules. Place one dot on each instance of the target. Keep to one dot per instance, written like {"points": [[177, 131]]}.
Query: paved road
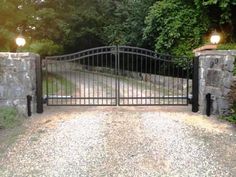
{"points": [[122, 141]]}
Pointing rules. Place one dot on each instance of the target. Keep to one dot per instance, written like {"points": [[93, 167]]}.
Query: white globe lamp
{"points": [[215, 38], [20, 41]]}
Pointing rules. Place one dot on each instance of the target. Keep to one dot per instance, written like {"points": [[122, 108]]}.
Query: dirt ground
{"points": [[122, 141]]}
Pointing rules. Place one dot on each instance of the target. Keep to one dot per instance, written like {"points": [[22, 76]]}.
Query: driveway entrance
{"points": [[118, 75], [122, 141]]}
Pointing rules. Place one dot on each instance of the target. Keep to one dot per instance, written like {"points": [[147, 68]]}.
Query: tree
{"points": [[173, 27], [13, 16]]}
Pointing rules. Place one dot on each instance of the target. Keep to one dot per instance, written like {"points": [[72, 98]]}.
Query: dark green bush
{"points": [[44, 47], [173, 27]]}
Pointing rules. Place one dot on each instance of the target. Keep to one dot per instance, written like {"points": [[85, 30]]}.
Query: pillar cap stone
{"points": [[215, 52], [205, 47]]}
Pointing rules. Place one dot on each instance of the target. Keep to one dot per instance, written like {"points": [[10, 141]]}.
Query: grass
{"points": [[57, 84], [9, 118], [231, 118], [10, 127]]}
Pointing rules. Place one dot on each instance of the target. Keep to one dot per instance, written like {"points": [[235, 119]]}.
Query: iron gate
{"points": [[117, 75]]}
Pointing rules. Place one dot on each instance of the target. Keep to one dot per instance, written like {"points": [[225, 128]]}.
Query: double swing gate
{"points": [[117, 75]]}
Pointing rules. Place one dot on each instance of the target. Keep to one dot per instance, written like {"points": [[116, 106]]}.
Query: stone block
{"points": [[1, 91], [223, 106], [227, 81], [213, 78], [17, 79], [229, 63]]}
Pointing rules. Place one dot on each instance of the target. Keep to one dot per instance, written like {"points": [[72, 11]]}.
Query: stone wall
{"points": [[17, 80], [232, 93], [216, 77]]}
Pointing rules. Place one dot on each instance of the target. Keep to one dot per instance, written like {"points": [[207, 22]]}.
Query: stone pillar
{"points": [[17, 80], [216, 77]]}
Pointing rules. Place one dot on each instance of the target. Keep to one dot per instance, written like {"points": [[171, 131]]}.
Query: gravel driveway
{"points": [[122, 141]]}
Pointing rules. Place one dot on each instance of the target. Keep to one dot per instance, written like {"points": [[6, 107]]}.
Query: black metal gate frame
{"points": [[120, 60]]}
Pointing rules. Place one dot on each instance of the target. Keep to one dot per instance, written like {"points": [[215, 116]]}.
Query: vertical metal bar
{"points": [[132, 63], [89, 72], [71, 82], [93, 72], [128, 78], [62, 71], [61, 82], [187, 94], [155, 74], [47, 81], [56, 94], [150, 73], [123, 91], [97, 65], [39, 85], [66, 80], [164, 87], [111, 65], [75, 84], [159, 68], [146, 79], [168, 70], [106, 81], [80, 83], [177, 84], [182, 73], [141, 63], [173, 87], [137, 83], [117, 76], [195, 106], [102, 74], [52, 82], [84, 68]]}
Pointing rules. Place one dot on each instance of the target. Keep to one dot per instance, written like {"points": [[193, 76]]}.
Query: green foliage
{"points": [[173, 27], [9, 118], [229, 46], [167, 26], [225, 7], [231, 118], [44, 47]]}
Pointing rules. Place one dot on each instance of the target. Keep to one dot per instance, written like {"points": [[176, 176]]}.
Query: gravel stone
{"points": [[122, 141]]}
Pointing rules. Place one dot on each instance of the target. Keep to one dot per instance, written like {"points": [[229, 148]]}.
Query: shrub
{"points": [[174, 28], [44, 47]]}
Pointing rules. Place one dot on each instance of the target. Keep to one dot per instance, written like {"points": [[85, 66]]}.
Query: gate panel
{"points": [[84, 78], [148, 78], [109, 76]]}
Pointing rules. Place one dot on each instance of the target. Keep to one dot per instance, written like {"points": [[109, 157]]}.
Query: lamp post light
{"points": [[215, 38], [20, 41]]}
